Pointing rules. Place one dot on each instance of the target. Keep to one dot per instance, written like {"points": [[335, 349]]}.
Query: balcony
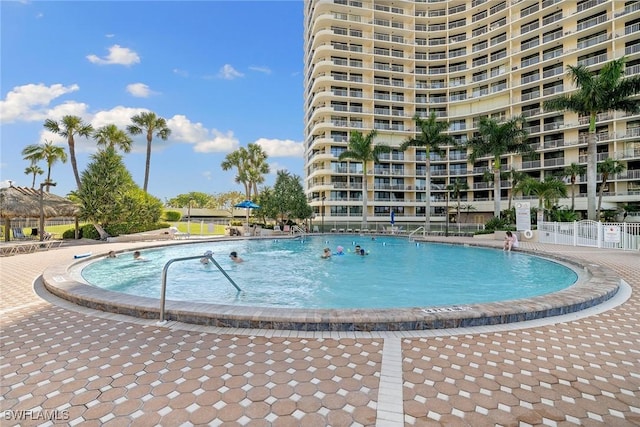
{"points": [[593, 60], [588, 4], [591, 22]]}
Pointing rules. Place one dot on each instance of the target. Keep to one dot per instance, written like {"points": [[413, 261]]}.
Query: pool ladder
{"points": [[165, 269]]}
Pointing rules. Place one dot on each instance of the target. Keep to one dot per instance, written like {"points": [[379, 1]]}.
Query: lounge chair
{"points": [[286, 229], [18, 234], [316, 229], [175, 234]]}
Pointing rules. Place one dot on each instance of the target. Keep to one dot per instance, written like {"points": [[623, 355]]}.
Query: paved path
{"points": [[65, 365]]}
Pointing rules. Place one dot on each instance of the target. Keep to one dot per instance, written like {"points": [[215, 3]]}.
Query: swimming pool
{"points": [[289, 273]]}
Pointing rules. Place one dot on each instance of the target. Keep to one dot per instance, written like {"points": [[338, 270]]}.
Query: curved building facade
{"points": [[376, 64]]}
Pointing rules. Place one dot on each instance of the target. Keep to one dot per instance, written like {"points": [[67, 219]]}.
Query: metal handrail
{"points": [[207, 255], [415, 231]]}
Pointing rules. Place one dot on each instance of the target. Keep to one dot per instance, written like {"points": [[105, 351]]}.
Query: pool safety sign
{"points": [[523, 216], [612, 234]]}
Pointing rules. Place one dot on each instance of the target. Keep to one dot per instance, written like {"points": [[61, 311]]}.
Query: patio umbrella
{"points": [[247, 204], [22, 202], [393, 217]]}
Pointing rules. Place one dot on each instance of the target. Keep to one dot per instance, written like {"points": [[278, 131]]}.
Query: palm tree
{"points": [[150, 124], [431, 138], [48, 152], [111, 136], [548, 191], [34, 170], [362, 149], [497, 139], [515, 177], [468, 208], [240, 160], [573, 171], [607, 168], [597, 92], [457, 187], [69, 127], [258, 166]]}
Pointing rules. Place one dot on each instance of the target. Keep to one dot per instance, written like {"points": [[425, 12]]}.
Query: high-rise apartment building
{"points": [[373, 64]]}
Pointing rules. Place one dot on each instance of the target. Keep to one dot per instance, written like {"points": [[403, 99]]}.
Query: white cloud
{"points": [[281, 147], [203, 140], [265, 70], [207, 175], [117, 55], [181, 73], [119, 116], [29, 102], [140, 90], [109, 36], [227, 72]]}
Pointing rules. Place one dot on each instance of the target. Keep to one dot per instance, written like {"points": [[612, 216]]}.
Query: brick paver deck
{"points": [[65, 365]]}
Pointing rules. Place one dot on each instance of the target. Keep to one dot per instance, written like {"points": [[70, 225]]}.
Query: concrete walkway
{"points": [[64, 365]]}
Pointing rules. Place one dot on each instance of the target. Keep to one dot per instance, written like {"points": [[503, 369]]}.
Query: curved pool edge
{"points": [[598, 284]]}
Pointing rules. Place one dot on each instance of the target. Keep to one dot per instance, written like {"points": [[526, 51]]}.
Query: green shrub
{"points": [[498, 224], [71, 233], [172, 216]]}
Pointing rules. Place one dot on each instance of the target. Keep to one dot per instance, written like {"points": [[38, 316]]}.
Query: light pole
{"points": [[322, 213], [42, 185]]}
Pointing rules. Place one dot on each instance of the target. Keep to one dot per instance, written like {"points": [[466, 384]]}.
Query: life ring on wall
{"points": [[528, 234]]}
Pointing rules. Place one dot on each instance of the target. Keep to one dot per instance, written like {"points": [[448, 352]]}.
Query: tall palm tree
{"points": [[110, 136], [147, 122], [607, 168], [34, 170], [69, 127], [362, 149], [597, 92], [497, 139], [457, 187], [432, 137], [573, 171], [48, 152], [258, 166], [547, 191]]}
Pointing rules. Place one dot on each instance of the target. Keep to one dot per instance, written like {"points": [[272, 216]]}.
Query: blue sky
{"points": [[222, 73]]}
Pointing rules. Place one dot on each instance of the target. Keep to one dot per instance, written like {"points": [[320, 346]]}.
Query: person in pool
{"points": [[326, 253], [339, 250], [138, 257], [235, 258]]}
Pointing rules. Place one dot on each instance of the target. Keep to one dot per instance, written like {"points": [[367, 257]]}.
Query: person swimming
{"points": [[326, 253], [339, 250]]}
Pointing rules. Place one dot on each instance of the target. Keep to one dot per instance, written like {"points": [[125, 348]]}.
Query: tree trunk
{"points": [[600, 192], [148, 162], [74, 163], [592, 170], [103, 234], [496, 188], [364, 195], [573, 193], [427, 203]]}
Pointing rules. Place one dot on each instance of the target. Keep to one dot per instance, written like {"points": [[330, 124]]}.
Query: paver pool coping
{"points": [[595, 285]]}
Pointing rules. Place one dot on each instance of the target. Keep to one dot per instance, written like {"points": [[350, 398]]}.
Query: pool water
{"points": [[290, 273]]}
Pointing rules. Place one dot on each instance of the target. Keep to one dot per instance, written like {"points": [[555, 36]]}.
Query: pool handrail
{"points": [[415, 231], [164, 278]]}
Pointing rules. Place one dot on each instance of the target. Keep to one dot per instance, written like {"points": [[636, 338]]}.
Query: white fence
{"points": [[609, 235]]}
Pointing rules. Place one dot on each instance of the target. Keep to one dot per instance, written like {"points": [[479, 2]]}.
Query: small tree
{"points": [[573, 171], [547, 191], [108, 195], [286, 199], [607, 168]]}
